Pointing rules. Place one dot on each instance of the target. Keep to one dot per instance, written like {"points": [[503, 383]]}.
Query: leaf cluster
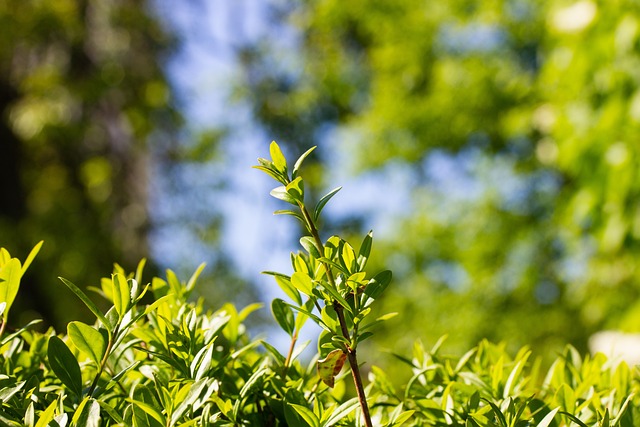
{"points": [[157, 358]]}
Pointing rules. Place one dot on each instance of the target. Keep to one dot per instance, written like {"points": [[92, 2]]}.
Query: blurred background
{"points": [[493, 146]]}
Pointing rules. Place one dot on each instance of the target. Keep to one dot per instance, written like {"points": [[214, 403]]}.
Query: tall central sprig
{"points": [[331, 276]]}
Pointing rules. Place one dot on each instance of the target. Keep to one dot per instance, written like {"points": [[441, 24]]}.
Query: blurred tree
{"points": [[82, 94], [517, 122]]}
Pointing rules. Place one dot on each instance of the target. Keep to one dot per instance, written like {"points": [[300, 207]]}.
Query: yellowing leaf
{"points": [[330, 366], [277, 157]]}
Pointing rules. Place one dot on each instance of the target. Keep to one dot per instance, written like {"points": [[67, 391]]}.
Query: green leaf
{"points": [[279, 161], [139, 270], [10, 275], [149, 410], [111, 411], [342, 411], [202, 361], [88, 340], [90, 305], [296, 189], [87, 414], [272, 172], [329, 367], [513, 376], [283, 315], [280, 359], [191, 283], [623, 410], [298, 164], [305, 413], [47, 415], [302, 282], [121, 294], [309, 244], [19, 332], [284, 282], [31, 256], [281, 193], [64, 365], [323, 201], [348, 258], [293, 214], [376, 287], [546, 421], [365, 251], [194, 396]]}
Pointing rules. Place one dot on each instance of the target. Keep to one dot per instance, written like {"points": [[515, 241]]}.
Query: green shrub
{"points": [[172, 362]]}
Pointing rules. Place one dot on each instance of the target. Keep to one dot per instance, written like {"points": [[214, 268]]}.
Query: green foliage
{"points": [[81, 90], [532, 107], [170, 362], [156, 358]]}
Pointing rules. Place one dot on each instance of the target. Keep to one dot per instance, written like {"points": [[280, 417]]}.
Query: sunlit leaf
{"points": [[87, 414], [10, 275], [277, 157], [31, 256], [309, 244], [302, 282], [88, 340], [323, 201], [298, 164], [121, 293], [281, 193], [295, 189]]}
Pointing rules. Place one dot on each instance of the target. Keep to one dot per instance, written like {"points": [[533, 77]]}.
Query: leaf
{"points": [[546, 421], [281, 193], [302, 282], [90, 305], [111, 411], [283, 315], [285, 284], [348, 257], [149, 410], [64, 365], [280, 359], [31, 256], [292, 213], [298, 164], [342, 411], [376, 287], [191, 283], [194, 395], [296, 189], [623, 409], [47, 415], [87, 414], [309, 244], [513, 376], [323, 201], [121, 294], [270, 170], [19, 332], [329, 367], [365, 251], [279, 161], [88, 340], [10, 275], [139, 269], [305, 413], [202, 361]]}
